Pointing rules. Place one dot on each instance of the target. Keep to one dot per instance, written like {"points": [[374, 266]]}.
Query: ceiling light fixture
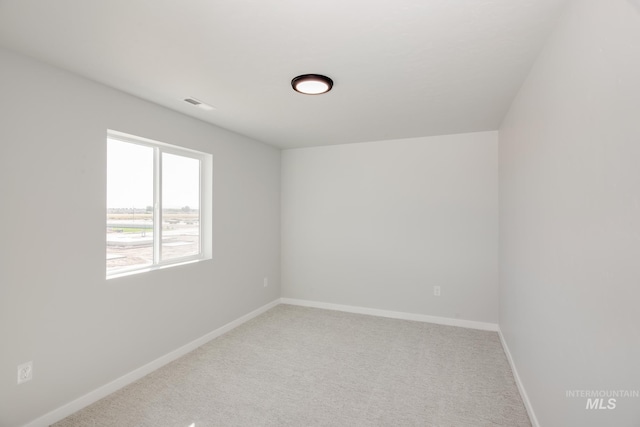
{"points": [[312, 84]]}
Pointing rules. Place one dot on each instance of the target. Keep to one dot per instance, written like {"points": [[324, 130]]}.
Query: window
{"points": [[158, 204]]}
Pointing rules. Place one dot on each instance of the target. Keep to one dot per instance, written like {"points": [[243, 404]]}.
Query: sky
{"points": [[130, 177]]}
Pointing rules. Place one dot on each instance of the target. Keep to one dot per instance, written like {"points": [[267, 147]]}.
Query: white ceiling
{"points": [[402, 68]]}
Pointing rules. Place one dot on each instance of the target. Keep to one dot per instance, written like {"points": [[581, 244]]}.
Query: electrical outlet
{"points": [[265, 282], [25, 372], [436, 291]]}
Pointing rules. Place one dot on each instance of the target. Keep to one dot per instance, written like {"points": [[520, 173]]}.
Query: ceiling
{"points": [[401, 68]]}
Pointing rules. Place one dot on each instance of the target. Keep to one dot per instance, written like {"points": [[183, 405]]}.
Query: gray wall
{"points": [[570, 217], [377, 225], [56, 308]]}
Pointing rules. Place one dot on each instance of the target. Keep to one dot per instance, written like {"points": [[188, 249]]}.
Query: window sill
{"points": [[132, 272]]}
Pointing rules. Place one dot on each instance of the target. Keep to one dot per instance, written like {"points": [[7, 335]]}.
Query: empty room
{"points": [[338, 213]]}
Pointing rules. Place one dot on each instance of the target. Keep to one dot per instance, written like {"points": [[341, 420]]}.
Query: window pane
{"points": [[180, 206], [129, 205]]}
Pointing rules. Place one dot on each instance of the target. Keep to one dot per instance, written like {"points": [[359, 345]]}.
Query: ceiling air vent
{"points": [[199, 104]]}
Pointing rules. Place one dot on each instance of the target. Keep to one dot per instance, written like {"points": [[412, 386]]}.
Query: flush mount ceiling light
{"points": [[312, 84]]}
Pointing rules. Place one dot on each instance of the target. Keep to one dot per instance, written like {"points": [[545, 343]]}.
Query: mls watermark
{"points": [[602, 399]]}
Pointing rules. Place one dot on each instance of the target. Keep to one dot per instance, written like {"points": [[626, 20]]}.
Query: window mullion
{"points": [[157, 209], [200, 204]]}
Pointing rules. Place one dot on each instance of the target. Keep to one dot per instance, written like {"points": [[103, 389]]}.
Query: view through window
{"points": [[154, 210]]}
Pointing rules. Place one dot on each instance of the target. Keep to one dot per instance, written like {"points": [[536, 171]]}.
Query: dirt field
{"points": [[130, 241]]}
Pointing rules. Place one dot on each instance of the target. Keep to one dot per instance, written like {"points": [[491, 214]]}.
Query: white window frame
{"points": [[205, 208]]}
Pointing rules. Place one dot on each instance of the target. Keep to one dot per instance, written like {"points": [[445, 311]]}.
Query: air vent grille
{"points": [[199, 104]]}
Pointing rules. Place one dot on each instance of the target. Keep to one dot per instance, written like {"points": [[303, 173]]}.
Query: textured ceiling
{"points": [[402, 68]]}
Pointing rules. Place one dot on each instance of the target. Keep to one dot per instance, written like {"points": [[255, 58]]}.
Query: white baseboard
{"points": [[95, 395], [394, 314], [523, 392], [103, 391]]}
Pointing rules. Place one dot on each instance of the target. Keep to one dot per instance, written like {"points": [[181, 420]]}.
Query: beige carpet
{"points": [[295, 366]]}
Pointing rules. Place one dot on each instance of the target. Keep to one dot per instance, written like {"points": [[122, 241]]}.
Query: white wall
{"points": [[56, 308], [570, 217], [379, 224]]}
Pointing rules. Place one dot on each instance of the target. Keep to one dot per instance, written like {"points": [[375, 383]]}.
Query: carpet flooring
{"points": [[298, 366]]}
